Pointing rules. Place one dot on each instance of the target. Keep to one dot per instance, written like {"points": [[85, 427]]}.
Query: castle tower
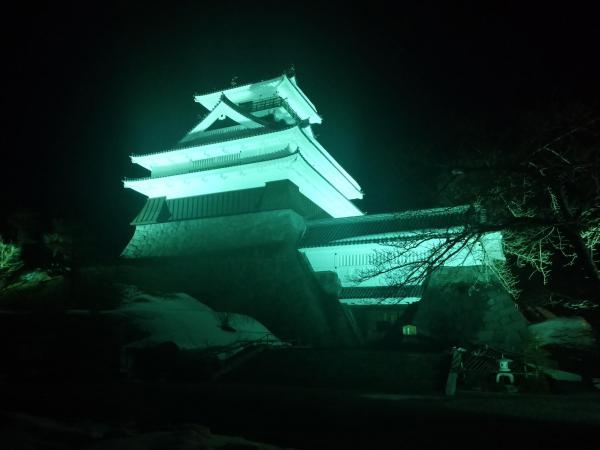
{"points": [[257, 217], [254, 151]]}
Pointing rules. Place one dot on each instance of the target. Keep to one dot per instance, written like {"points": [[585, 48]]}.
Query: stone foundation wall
{"points": [[247, 264], [189, 237]]}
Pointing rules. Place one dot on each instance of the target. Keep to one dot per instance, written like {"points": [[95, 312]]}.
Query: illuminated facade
{"points": [[379, 258], [253, 135], [254, 156]]}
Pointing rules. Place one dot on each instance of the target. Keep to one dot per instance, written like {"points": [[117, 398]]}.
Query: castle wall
{"points": [[189, 237], [247, 264]]}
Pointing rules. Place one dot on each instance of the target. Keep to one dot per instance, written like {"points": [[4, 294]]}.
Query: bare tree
{"points": [[543, 196], [410, 257], [10, 260], [547, 204]]}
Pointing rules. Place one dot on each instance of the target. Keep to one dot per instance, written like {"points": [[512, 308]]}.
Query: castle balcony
{"points": [[281, 86], [272, 103]]}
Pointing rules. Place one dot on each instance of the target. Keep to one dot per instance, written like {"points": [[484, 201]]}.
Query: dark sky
{"points": [[87, 86]]}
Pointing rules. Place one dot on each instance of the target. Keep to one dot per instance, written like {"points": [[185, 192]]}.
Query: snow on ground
{"points": [[569, 332], [190, 324], [23, 431]]}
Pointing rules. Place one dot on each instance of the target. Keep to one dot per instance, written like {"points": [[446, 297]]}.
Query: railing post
{"points": [[455, 365]]}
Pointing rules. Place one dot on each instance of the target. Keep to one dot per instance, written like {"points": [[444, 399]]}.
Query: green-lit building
{"points": [[250, 212]]}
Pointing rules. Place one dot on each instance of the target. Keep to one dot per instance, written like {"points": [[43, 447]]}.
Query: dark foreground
{"points": [[304, 418]]}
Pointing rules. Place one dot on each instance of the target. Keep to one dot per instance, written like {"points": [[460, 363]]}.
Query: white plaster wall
{"points": [[354, 263]]}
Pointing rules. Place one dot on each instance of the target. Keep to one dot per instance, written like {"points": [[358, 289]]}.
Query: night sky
{"points": [[85, 87]]}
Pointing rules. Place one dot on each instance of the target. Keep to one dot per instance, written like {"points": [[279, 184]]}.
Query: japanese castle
{"points": [[251, 179]]}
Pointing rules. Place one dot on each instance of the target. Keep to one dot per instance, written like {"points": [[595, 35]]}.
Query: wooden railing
{"points": [[268, 103]]}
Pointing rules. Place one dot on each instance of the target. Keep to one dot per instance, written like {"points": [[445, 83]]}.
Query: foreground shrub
{"points": [[10, 261]]}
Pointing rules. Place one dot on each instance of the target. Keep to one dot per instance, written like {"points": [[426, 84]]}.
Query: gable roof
{"points": [[281, 86], [225, 109]]}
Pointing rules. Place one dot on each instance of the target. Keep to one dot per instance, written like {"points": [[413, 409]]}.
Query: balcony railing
{"points": [[268, 103]]}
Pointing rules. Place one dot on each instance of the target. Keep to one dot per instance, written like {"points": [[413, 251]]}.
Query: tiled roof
{"points": [[223, 163], [381, 292], [220, 137], [327, 232], [227, 136]]}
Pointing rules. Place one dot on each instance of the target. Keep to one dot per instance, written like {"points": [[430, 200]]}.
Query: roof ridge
{"points": [[374, 228], [390, 215], [238, 86]]}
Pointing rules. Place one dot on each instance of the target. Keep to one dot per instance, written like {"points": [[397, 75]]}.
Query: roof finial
{"points": [[290, 72], [234, 81]]}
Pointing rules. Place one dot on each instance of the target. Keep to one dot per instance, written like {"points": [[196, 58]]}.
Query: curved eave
{"points": [[182, 154], [274, 157], [331, 171], [290, 135], [292, 167], [298, 101], [163, 186], [330, 158]]}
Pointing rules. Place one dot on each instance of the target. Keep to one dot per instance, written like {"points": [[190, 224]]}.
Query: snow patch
{"points": [[190, 324], [569, 332]]}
